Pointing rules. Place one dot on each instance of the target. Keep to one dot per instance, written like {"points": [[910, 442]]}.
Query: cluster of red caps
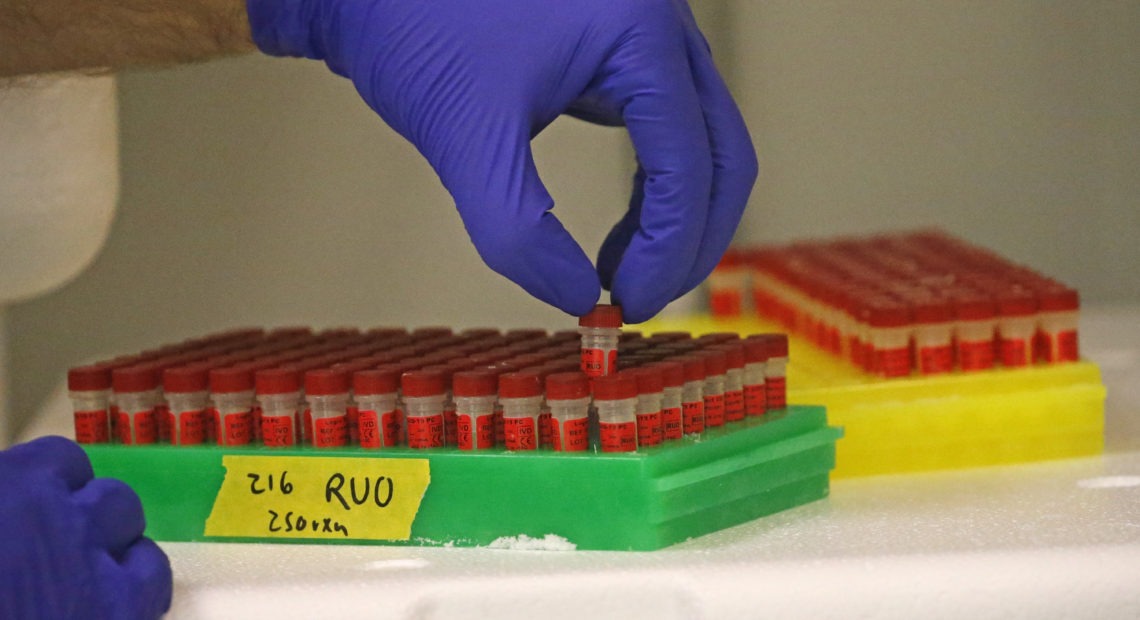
{"points": [[838, 293], [141, 398]]}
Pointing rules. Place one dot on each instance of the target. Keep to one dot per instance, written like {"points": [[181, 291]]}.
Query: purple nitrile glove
{"points": [[71, 546], [470, 83]]}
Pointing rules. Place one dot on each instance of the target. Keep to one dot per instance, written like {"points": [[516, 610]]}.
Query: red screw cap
{"points": [[89, 378], [277, 381], [470, 383], [417, 383], [326, 381], [618, 386], [567, 386], [519, 385], [603, 315]]}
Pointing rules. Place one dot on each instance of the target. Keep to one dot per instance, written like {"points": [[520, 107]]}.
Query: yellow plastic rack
{"points": [[949, 421]]}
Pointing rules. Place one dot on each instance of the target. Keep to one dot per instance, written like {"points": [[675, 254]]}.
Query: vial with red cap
{"points": [[600, 330], [1016, 326], [568, 395], [278, 391], [755, 363], [933, 335], [975, 326], [693, 395], [776, 372], [475, 393], [326, 391], [231, 395], [733, 380], [888, 335], [650, 395], [673, 378], [424, 394], [135, 391], [186, 389], [1057, 323], [716, 366], [615, 398], [520, 394], [376, 391], [89, 388]]}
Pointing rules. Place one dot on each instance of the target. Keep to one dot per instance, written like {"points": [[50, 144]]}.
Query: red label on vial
{"points": [[598, 362], [976, 354], [450, 434], [330, 432], [671, 423], [544, 429], [92, 426], [520, 433], [1015, 352], [352, 414], [277, 431], [368, 428], [162, 415], [138, 428], [755, 399], [392, 425], [425, 431], [570, 435], [1060, 346], [477, 434], [618, 436], [888, 363], [734, 405], [776, 392], [693, 416], [935, 360], [714, 410], [238, 428], [187, 428], [649, 429]]}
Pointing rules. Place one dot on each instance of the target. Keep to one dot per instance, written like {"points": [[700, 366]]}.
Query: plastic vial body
{"points": [[617, 424], [1057, 325], [600, 330], [890, 351], [934, 347], [650, 429], [776, 383], [693, 407], [755, 399], [734, 395], [671, 418], [520, 422], [278, 415], [475, 422], [1016, 328], [186, 413], [974, 344], [234, 422], [713, 394], [136, 423], [92, 418], [570, 424], [425, 420], [377, 416]]}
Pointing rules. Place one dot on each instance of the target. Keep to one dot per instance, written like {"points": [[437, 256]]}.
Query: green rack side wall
{"points": [[634, 501]]}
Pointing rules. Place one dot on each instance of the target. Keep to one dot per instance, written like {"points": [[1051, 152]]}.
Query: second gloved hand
{"points": [[471, 83]]}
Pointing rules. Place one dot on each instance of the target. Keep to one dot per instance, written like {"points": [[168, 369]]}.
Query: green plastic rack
{"points": [[631, 501]]}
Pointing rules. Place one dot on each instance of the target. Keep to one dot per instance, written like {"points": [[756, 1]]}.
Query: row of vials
{"points": [[597, 388], [907, 303]]}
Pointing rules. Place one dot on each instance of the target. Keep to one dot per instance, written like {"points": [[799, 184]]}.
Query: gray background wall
{"points": [[262, 191]]}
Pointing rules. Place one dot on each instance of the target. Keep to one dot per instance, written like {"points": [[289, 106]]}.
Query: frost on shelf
{"points": [[522, 542]]}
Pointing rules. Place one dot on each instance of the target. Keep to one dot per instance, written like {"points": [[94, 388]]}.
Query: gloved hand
{"points": [[470, 83], [70, 546]]}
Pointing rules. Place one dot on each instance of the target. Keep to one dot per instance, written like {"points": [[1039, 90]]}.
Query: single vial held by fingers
{"points": [[600, 330], [568, 394]]}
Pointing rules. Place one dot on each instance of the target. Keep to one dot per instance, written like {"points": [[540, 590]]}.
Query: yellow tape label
{"points": [[318, 497]]}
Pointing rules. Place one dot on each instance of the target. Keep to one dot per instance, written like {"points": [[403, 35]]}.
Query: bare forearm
{"points": [[38, 36]]}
